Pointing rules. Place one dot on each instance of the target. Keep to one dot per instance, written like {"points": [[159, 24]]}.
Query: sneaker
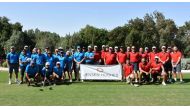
{"points": [[70, 80], [136, 85], [181, 81], [163, 83], [10, 82], [17, 81], [136, 80], [82, 80]]}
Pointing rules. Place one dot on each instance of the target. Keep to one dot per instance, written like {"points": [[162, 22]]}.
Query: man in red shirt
{"points": [[116, 50], [146, 54], [128, 52], [164, 58], [103, 51], [144, 68], [110, 57], [134, 60], [176, 63], [121, 58], [169, 65], [129, 74], [97, 56], [152, 54], [157, 69]]}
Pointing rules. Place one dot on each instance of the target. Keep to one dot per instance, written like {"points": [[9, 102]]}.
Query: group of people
{"points": [[143, 66]]}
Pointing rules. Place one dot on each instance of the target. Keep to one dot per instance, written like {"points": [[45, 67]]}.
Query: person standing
{"points": [[89, 56], [40, 60], [103, 52], [28, 53], [176, 56], [97, 56], [69, 65], [153, 54], [79, 59], [134, 60], [34, 54], [50, 58], [23, 62], [110, 57], [12, 59]]}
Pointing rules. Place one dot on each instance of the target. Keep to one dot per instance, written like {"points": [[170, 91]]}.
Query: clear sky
{"points": [[64, 18]]}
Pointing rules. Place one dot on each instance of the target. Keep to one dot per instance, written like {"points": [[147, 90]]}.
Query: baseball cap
{"points": [[110, 48], [89, 46], [60, 48], [26, 46], [103, 46], [78, 46], [133, 47], [47, 63], [95, 46], [146, 48], [32, 62], [153, 46], [58, 63], [156, 57], [163, 46], [116, 46], [47, 47]]}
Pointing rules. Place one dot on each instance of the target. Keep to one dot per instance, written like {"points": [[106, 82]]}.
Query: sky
{"points": [[64, 18]]}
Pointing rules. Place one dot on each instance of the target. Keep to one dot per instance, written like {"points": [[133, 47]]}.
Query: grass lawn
{"points": [[95, 93]]}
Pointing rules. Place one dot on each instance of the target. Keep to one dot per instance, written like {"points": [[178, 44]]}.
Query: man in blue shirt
{"points": [[28, 53], [69, 64], [50, 59], [23, 62], [56, 55], [32, 72], [58, 73], [79, 59], [47, 72], [89, 56], [40, 60], [12, 59], [46, 51], [34, 54]]}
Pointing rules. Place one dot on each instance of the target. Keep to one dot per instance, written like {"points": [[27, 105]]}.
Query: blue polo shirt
{"points": [[40, 59], [48, 71], [88, 55], [13, 58], [78, 56], [69, 61], [23, 58], [51, 60], [31, 70], [34, 56], [58, 71], [62, 61], [28, 53], [56, 57]]}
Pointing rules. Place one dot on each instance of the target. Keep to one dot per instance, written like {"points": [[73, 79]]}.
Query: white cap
{"points": [[89, 46], [47, 63], [116, 46], [146, 48], [153, 46], [110, 48], [26, 46], [103, 46], [163, 46], [60, 48], [58, 63], [156, 57], [95, 46]]}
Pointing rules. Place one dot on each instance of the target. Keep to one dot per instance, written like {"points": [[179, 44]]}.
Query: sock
{"points": [[175, 79]]}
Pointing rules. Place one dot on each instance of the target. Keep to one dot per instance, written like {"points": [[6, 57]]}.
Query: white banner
{"points": [[100, 72]]}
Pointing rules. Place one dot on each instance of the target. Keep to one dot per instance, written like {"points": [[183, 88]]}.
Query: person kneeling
{"points": [[144, 68], [58, 73], [157, 69], [32, 72], [129, 74], [47, 74]]}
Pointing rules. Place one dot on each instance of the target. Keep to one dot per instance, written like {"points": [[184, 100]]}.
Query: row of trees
{"points": [[152, 29]]}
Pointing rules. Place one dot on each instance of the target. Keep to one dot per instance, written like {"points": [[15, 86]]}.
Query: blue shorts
{"points": [[135, 66], [14, 67], [177, 68]]}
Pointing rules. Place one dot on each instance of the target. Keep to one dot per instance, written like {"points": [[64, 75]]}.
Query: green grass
{"points": [[95, 93]]}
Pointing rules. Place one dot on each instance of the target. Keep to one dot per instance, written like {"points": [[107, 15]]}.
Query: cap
{"points": [[32, 62], [133, 47], [12, 47], [47, 47], [153, 46], [121, 46], [68, 52], [26, 46], [95, 46], [156, 57], [89, 46], [103, 46], [116, 46], [47, 63], [83, 47], [146, 48], [60, 48], [163, 46], [128, 47], [58, 63], [110, 48], [169, 47], [78, 46]]}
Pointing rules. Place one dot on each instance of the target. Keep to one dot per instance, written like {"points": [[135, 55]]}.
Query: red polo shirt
{"points": [[145, 67], [134, 57], [128, 69], [158, 67], [163, 56], [122, 57], [97, 56], [152, 57], [110, 58], [175, 56]]}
